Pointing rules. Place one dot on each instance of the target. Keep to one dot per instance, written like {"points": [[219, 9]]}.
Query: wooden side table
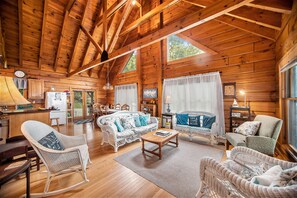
{"points": [[167, 117]]}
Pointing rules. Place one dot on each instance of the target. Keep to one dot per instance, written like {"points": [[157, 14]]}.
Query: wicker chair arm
{"points": [[218, 171], [215, 128], [239, 153], [72, 141], [110, 130]]}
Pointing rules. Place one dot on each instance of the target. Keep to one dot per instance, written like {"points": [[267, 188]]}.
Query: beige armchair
{"points": [[265, 139]]}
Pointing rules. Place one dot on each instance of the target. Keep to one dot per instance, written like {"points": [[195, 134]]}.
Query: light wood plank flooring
{"points": [[107, 177]]}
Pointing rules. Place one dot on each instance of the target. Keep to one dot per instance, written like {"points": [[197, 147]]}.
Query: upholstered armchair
{"points": [[73, 157], [265, 139], [233, 177]]}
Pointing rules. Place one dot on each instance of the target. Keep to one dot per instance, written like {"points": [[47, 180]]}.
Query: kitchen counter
{"points": [[18, 117]]}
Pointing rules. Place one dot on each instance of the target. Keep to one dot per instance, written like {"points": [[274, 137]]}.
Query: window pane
{"points": [[292, 124], [131, 65], [179, 48]]}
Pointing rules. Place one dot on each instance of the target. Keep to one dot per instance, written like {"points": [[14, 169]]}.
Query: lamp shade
{"points": [[9, 93], [168, 100]]}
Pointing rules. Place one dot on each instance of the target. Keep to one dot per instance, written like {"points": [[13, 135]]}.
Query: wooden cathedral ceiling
{"points": [[68, 36]]}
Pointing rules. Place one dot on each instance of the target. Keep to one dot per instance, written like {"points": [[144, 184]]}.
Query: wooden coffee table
{"points": [[158, 140]]}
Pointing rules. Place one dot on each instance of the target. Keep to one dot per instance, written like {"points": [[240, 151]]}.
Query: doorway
{"points": [[83, 101]]}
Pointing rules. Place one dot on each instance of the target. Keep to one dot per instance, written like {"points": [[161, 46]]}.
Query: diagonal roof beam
{"points": [[116, 6], [148, 15], [42, 32], [281, 6], [91, 38], [245, 25], [248, 27], [123, 18], [78, 36], [182, 24]]}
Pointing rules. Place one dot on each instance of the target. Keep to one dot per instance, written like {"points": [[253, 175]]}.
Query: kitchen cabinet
{"points": [[35, 89]]}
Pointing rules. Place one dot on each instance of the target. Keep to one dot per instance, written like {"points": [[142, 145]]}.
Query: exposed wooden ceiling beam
{"points": [[281, 6], [78, 36], [254, 15], [248, 27], [182, 24], [116, 6], [66, 13], [148, 15], [123, 18], [105, 36], [197, 44], [20, 16], [45, 5], [99, 48]]}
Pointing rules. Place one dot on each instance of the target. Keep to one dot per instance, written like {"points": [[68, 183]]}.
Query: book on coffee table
{"points": [[162, 133]]}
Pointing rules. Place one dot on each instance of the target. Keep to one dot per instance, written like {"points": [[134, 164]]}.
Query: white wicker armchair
{"points": [[73, 158], [219, 181]]}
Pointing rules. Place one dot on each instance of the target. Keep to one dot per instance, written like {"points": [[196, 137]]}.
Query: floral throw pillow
{"points": [[128, 122], [248, 128]]}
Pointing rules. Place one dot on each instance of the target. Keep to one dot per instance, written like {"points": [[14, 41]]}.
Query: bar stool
{"points": [[57, 121]]}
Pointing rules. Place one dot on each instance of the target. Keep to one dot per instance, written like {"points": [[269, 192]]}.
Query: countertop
{"points": [[26, 111]]}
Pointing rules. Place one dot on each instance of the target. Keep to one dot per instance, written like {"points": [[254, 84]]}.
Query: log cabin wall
{"points": [[43, 44], [241, 57], [286, 51]]}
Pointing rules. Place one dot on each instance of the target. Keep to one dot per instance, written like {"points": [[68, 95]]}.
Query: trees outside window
{"points": [[179, 48], [131, 65]]}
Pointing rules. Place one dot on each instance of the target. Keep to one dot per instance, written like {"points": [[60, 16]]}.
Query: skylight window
{"points": [[178, 48]]}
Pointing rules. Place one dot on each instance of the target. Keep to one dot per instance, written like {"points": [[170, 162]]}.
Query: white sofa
{"points": [[117, 139], [211, 133]]}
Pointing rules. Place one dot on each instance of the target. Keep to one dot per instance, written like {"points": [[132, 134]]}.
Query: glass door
{"points": [[78, 105], [89, 95], [83, 104]]}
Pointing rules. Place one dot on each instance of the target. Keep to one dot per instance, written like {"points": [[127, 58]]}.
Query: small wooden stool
{"points": [[57, 120]]}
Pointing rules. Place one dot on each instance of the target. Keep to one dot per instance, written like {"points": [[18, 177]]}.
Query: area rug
{"points": [[177, 172], [83, 121]]}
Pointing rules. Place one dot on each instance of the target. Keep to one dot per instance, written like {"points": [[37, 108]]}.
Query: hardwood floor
{"points": [[107, 177]]}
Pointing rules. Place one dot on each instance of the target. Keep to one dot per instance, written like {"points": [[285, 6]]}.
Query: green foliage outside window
{"points": [[131, 65], [179, 48]]}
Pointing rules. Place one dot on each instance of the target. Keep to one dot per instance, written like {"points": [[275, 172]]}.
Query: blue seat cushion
{"points": [[182, 119], [194, 121], [51, 141], [144, 120], [119, 126], [137, 121], [208, 121]]}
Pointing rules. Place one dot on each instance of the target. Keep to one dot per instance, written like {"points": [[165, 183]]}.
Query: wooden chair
{"points": [[125, 107], [21, 140], [7, 152], [102, 110], [118, 106]]}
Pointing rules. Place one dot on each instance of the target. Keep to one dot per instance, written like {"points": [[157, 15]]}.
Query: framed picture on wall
{"points": [[229, 90], [150, 93]]}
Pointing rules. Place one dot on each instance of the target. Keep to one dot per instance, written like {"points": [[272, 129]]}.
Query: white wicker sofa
{"points": [[117, 139], [211, 133]]}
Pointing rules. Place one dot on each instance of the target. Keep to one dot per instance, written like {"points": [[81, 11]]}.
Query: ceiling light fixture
{"points": [[134, 2]]}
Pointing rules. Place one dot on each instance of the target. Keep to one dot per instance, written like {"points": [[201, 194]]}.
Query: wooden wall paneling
{"points": [[139, 78], [78, 36], [45, 7], [20, 22], [184, 23], [66, 12]]}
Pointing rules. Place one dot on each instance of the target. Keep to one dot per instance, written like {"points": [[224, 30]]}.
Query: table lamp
{"points": [[168, 101], [243, 93], [9, 93]]}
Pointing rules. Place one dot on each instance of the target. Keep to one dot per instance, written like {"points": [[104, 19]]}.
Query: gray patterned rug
{"points": [[177, 172]]}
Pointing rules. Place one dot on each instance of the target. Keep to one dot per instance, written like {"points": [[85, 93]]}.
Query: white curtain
{"points": [[126, 94], [201, 92]]}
